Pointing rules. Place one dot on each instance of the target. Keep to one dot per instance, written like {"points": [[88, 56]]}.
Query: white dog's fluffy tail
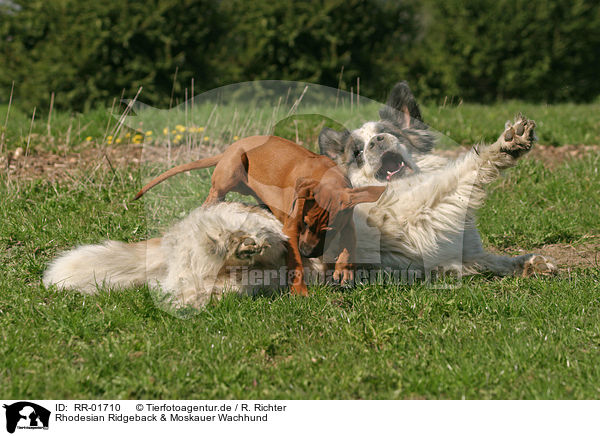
{"points": [[111, 263]]}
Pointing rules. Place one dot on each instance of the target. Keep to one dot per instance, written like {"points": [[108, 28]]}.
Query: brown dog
{"points": [[307, 192]]}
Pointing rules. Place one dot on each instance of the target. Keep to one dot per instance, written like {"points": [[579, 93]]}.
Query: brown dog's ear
{"points": [[304, 190], [366, 194]]}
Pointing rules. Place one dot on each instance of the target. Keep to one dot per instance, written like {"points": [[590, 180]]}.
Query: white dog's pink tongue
{"points": [[391, 173]]}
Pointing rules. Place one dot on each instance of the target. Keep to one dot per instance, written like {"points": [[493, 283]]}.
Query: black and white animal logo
{"points": [[26, 415]]}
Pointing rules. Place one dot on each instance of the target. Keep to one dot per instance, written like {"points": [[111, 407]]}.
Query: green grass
{"points": [[512, 338], [67, 131], [464, 124], [558, 124], [489, 338], [533, 205]]}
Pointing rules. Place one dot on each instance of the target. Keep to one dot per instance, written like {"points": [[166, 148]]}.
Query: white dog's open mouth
{"points": [[392, 165]]}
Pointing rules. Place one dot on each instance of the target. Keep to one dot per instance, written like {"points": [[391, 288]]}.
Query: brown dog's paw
{"points": [[518, 137], [539, 265], [296, 279]]}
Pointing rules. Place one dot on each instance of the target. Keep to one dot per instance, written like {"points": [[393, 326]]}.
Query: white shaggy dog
{"points": [[198, 258], [427, 220], [426, 216]]}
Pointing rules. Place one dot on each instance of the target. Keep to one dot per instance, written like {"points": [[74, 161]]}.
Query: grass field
{"points": [[464, 124], [489, 338]]}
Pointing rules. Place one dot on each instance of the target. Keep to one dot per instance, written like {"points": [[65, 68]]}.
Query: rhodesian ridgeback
{"points": [[307, 192]]}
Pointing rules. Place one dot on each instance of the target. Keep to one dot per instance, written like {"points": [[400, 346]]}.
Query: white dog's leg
{"points": [[208, 249], [475, 258], [515, 141], [526, 265], [468, 175]]}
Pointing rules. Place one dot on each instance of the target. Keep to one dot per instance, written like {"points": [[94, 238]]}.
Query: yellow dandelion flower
{"points": [[137, 139], [236, 137], [173, 131], [149, 133], [200, 129], [109, 141], [89, 138], [178, 138], [166, 131], [128, 134], [118, 141], [206, 138], [180, 128], [109, 138]]}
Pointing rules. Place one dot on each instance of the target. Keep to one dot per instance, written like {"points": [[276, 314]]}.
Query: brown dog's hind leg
{"points": [[230, 174], [213, 197]]}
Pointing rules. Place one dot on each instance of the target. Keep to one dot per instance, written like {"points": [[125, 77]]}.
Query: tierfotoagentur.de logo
{"points": [[26, 416]]}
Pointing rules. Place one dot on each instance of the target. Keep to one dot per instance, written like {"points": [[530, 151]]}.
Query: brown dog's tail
{"points": [[196, 165]]}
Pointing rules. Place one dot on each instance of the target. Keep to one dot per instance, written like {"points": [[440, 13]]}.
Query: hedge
{"points": [[89, 53]]}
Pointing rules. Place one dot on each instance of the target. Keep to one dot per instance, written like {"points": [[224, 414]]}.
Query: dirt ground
{"points": [[50, 166], [73, 166]]}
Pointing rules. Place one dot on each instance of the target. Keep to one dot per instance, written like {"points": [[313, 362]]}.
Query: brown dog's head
{"points": [[326, 208]]}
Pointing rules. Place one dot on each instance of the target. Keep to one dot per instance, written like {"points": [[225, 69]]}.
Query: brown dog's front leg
{"points": [[294, 262], [295, 269]]}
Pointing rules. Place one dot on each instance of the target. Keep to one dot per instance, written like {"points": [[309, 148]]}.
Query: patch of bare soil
{"points": [[69, 166]]}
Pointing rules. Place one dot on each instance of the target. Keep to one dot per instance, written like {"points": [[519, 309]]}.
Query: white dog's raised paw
{"points": [[518, 137], [249, 247], [539, 265]]}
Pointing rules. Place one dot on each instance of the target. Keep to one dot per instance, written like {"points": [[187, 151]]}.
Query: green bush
{"points": [[313, 40], [485, 50], [89, 53]]}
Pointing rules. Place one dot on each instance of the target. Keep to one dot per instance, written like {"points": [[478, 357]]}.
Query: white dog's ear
{"points": [[402, 108], [333, 143]]}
